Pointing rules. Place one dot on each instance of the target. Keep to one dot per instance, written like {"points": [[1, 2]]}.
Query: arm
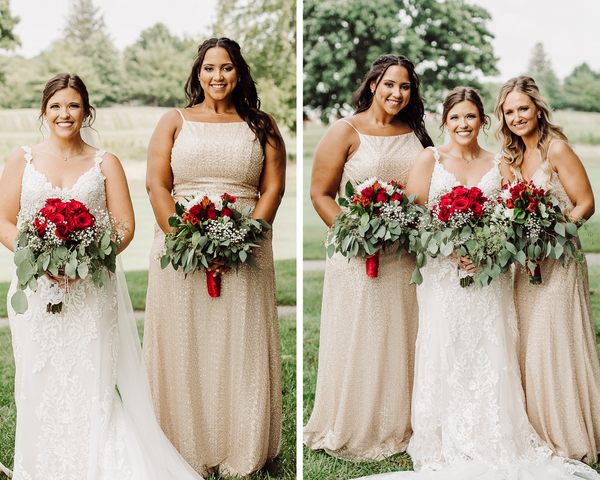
{"points": [[118, 199], [159, 177], [272, 180], [574, 178], [419, 178], [505, 171], [332, 152], [10, 196]]}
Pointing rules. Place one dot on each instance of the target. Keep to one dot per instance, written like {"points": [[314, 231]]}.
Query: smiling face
{"points": [[393, 91], [218, 75], [520, 114], [65, 112], [463, 122]]}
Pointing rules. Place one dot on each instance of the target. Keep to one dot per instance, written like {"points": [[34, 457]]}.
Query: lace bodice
{"points": [[387, 158], [216, 157], [36, 189], [442, 181]]}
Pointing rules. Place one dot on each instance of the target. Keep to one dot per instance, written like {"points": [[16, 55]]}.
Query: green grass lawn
{"points": [[283, 467], [319, 465]]}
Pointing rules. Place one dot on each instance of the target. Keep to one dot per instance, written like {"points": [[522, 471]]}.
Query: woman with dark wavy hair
{"points": [[214, 363], [368, 325]]}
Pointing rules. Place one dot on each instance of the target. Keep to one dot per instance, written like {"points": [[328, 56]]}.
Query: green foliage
{"points": [[448, 42], [8, 40], [266, 31], [157, 67], [540, 69], [582, 89], [82, 24]]}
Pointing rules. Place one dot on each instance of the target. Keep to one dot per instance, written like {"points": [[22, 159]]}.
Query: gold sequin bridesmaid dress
{"points": [[558, 354], [368, 331], [214, 363]]}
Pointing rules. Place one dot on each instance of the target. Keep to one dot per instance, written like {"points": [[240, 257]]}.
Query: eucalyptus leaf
{"points": [[571, 229], [560, 229], [19, 302], [83, 270], [70, 271]]}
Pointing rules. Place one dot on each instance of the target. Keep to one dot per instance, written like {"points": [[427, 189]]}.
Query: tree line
{"points": [[153, 71]]}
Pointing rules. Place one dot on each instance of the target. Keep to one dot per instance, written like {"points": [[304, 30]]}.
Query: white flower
{"points": [[505, 194], [509, 213], [543, 210]]}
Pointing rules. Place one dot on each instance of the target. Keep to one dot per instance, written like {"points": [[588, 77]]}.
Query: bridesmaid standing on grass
{"points": [[368, 325], [214, 363], [558, 354]]}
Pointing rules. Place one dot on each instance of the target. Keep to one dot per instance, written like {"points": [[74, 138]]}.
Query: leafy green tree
{"points": [[582, 89], [266, 31], [157, 67], [83, 22], [540, 69], [8, 40], [448, 42]]}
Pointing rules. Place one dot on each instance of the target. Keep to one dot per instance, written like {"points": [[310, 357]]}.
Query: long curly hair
{"points": [[512, 146], [414, 112], [60, 82], [245, 96], [465, 94]]}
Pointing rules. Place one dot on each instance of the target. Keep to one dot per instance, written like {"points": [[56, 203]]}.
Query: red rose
{"points": [[197, 212], [446, 201], [368, 193], [75, 206], [397, 196], [444, 214], [476, 209], [56, 218], [83, 220], [382, 196], [63, 231], [517, 191], [40, 226], [227, 212], [461, 204], [474, 193], [459, 192], [211, 213]]}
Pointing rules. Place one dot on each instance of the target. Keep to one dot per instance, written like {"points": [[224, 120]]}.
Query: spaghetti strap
{"points": [[346, 121], [181, 114], [436, 154], [28, 156], [98, 158]]}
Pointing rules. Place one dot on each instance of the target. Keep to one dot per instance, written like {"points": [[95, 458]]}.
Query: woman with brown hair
{"points": [[214, 363], [368, 325], [558, 354]]}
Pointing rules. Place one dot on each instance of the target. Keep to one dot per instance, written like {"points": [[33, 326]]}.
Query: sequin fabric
{"points": [[558, 354], [214, 363], [368, 331]]}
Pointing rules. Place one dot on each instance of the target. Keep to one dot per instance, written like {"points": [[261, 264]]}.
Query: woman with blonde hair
{"points": [[558, 354]]}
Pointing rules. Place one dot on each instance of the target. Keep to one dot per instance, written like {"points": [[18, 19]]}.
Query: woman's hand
{"points": [[218, 268], [61, 280], [464, 263]]}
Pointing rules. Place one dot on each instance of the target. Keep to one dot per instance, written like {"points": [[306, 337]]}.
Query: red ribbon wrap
{"points": [[213, 284], [536, 276], [373, 265]]}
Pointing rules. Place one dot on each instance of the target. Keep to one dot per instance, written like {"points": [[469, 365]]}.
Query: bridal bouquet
{"points": [[535, 226], [461, 223], [207, 228], [63, 237], [379, 214]]}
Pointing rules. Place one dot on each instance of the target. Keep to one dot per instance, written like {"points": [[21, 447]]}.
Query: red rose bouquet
{"points": [[460, 222], [208, 228], [64, 236], [378, 215], [535, 226]]}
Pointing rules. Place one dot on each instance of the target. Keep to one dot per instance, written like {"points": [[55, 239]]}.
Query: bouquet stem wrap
{"points": [[213, 284], [373, 265], [535, 278]]}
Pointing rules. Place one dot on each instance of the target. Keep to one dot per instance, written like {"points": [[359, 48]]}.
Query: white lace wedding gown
{"points": [[468, 411], [72, 424]]}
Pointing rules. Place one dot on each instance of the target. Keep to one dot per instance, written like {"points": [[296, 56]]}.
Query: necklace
{"points": [[66, 158], [474, 158]]}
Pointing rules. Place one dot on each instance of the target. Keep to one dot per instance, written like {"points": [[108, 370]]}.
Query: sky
{"points": [[570, 35], [43, 21]]}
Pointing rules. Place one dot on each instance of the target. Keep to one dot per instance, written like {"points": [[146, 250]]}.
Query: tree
{"points": [[8, 40], [582, 89], [448, 42], [540, 69], [157, 67], [266, 31], [83, 22]]}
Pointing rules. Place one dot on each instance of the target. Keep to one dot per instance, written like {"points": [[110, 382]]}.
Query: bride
{"points": [[468, 412], [72, 423]]}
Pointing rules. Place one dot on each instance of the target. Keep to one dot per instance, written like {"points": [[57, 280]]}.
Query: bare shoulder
{"points": [[341, 130], [171, 119], [16, 160], [425, 159], [110, 163], [559, 148], [505, 170]]}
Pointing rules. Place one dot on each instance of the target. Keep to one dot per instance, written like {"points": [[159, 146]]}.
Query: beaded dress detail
{"points": [[368, 331], [214, 363]]}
